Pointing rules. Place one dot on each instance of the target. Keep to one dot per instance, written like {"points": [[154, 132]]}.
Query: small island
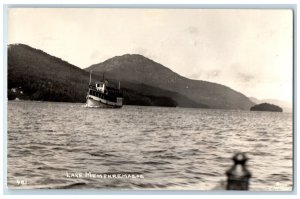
{"points": [[266, 107]]}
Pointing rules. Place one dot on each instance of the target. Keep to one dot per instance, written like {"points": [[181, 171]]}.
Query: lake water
{"points": [[58, 145]]}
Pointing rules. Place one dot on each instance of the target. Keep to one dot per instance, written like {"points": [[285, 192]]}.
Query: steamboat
{"points": [[102, 94]]}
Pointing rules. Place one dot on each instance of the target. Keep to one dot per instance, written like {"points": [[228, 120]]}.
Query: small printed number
{"points": [[22, 182]]}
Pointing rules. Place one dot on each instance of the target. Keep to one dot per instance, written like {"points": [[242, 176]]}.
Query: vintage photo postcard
{"points": [[150, 99]]}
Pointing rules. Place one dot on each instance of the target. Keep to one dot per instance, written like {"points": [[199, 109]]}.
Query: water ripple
{"points": [[174, 148]]}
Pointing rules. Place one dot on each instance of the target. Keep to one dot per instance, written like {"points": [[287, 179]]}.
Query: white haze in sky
{"points": [[250, 51]]}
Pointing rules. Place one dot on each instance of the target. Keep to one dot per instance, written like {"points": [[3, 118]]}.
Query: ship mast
{"points": [[90, 77]]}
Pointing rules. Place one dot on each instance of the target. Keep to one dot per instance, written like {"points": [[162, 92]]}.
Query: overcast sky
{"points": [[250, 51]]}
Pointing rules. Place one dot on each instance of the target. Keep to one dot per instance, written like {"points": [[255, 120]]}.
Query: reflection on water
{"points": [[173, 148]]}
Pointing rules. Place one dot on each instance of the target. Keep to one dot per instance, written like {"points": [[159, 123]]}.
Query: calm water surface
{"points": [[172, 148]]}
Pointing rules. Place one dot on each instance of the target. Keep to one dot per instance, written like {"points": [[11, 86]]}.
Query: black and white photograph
{"points": [[150, 98]]}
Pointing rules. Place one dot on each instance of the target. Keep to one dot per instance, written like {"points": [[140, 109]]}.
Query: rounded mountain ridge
{"points": [[133, 62]]}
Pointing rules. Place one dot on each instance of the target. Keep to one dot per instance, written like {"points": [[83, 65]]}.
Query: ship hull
{"points": [[95, 102]]}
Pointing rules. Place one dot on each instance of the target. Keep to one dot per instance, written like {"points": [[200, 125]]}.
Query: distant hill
{"points": [[286, 106], [266, 107], [141, 70], [36, 75], [41, 76]]}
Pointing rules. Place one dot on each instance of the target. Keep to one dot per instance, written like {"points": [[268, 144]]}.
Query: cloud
{"points": [[245, 77], [194, 76], [141, 51], [94, 55], [206, 75], [48, 38], [192, 30], [213, 73]]}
